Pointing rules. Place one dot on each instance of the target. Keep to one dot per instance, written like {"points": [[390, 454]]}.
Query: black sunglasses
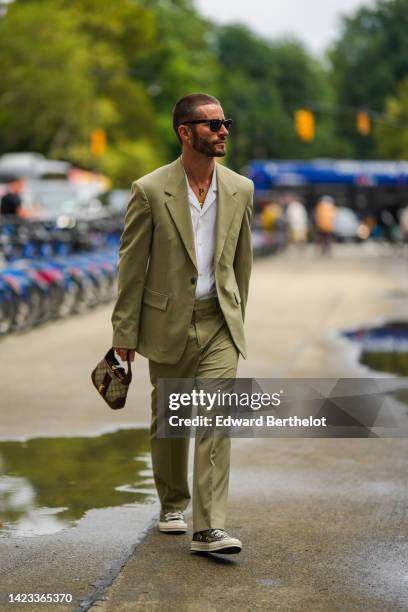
{"points": [[214, 124]]}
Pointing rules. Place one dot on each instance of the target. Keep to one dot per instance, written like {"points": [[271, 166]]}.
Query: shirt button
{"points": [[193, 280]]}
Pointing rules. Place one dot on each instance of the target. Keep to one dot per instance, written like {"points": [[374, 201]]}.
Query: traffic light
{"points": [[98, 142], [305, 125], [363, 123]]}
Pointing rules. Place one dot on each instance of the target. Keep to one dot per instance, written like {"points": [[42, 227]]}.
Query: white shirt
{"points": [[203, 220]]}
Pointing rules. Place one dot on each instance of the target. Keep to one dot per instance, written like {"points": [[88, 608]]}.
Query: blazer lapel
{"points": [[179, 207], [226, 207]]}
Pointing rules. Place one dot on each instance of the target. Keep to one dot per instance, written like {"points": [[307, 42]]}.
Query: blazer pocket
{"points": [[237, 297], [155, 299]]}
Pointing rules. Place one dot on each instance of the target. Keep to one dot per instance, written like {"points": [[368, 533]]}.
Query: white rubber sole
{"points": [[230, 547], [172, 527]]}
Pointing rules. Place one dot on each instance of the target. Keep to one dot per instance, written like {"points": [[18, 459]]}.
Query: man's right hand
{"points": [[125, 353]]}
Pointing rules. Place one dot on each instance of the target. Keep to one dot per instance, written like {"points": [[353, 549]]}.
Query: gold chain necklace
{"points": [[202, 192]]}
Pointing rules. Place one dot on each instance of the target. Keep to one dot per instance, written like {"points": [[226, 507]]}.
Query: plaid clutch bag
{"points": [[111, 380]]}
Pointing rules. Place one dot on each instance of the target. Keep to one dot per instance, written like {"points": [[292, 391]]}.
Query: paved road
{"points": [[323, 521]]}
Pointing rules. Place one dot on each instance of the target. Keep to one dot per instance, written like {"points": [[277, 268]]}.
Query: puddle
{"points": [[396, 363], [383, 348], [48, 484]]}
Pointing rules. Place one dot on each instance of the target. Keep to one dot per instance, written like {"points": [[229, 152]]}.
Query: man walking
{"points": [[184, 266]]}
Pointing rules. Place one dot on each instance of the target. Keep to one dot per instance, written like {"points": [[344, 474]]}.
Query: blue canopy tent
{"points": [[359, 184]]}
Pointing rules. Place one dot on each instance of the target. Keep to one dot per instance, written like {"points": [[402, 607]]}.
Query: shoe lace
{"points": [[170, 516], [218, 533]]}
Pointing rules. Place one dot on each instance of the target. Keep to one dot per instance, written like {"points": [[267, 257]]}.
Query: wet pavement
{"points": [[323, 522], [81, 561], [324, 527]]}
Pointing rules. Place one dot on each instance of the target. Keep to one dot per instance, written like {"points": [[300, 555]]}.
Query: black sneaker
{"points": [[215, 541], [172, 522]]}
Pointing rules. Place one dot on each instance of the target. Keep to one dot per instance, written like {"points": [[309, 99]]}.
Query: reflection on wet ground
{"points": [[383, 348], [47, 484]]}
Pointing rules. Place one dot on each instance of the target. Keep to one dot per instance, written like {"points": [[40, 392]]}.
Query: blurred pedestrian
{"points": [[296, 216], [389, 224], [271, 213], [11, 201], [325, 214], [403, 223]]}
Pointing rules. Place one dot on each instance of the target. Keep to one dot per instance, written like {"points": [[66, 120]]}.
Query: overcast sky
{"points": [[315, 22]]}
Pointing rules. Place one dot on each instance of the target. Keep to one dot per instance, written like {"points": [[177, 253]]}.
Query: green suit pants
{"points": [[209, 353]]}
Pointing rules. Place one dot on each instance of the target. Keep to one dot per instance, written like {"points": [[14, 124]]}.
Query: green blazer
{"points": [[157, 269]]}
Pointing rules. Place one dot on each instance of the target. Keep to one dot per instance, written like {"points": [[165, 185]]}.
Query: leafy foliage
{"points": [[71, 66], [392, 134], [369, 61]]}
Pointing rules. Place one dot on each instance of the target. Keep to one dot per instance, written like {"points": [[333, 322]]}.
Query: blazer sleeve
{"points": [[134, 254], [243, 254]]}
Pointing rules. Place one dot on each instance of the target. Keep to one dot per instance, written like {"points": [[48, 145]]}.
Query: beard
{"points": [[203, 146]]}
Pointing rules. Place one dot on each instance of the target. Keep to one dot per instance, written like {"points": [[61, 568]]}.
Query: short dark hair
{"points": [[186, 108]]}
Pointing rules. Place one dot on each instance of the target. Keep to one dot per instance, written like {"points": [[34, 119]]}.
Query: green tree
{"points": [[262, 85], [75, 78], [391, 134], [183, 61], [122, 65], [45, 92], [369, 60]]}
